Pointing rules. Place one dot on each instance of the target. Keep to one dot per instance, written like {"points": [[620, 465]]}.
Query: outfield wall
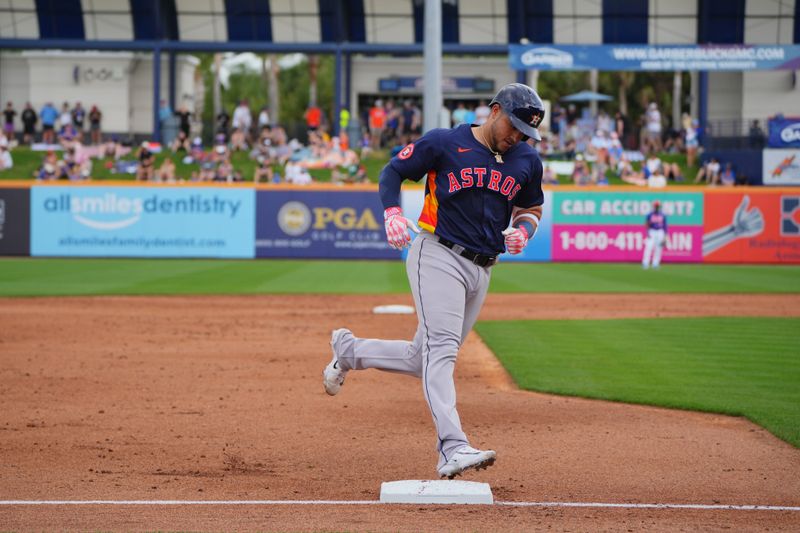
{"points": [[740, 225]]}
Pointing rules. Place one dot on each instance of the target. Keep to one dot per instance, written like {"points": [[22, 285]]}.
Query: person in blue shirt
{"points": [[48, 116]]}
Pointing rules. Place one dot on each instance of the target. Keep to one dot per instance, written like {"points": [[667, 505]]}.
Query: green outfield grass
{"points": [[751, 369], [43, 277]]}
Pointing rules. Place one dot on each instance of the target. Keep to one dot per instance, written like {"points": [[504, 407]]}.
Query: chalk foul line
{"points": [[697, 506]]}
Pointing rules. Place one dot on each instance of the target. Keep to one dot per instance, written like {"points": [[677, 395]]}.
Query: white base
{"points": [[393, 310], [440, 491]]}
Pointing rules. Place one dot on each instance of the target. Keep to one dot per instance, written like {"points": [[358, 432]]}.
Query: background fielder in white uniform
{"points": [[656, 224]]}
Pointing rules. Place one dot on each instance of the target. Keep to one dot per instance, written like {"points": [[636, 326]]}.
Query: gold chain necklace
{"points": [[497, 155]]}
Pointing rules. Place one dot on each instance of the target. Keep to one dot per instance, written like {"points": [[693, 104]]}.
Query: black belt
{"points": [[478, 259]]}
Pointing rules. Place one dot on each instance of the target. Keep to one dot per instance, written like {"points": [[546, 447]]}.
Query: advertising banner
{"points": [[609, 226], [784, 132], [781, 167], [538, 249], [752, 228], [142, 221], [640, 57], [322, 224], [15, 221]]}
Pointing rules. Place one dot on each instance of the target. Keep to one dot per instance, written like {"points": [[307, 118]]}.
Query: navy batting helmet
{"points": [[523, 106]]}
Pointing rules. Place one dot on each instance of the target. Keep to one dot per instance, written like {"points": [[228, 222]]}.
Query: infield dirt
{"points": [[220, 398]]}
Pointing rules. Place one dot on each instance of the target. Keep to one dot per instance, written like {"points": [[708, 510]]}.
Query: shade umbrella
{"points": [[587, 96]]}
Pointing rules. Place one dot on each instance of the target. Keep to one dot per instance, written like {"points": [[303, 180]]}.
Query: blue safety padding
{"points": [[720, 21], [796, 21], [248, 20], [530, 19], [625, 21], [347, 24], [60, 19], [154, 19]]}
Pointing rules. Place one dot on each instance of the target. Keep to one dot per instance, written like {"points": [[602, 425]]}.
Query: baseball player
{"points": [[656, 224], [483, 196]]}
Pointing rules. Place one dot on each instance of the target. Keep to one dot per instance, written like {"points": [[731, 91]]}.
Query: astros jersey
{"points": [[656, 221], [469, 195]]}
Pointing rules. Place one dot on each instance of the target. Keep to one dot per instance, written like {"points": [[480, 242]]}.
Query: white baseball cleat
{"points": [[466, 458], [333, 375]]}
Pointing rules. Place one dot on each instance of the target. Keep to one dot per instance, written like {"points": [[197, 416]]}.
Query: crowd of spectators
{"points": [[582, 148]]}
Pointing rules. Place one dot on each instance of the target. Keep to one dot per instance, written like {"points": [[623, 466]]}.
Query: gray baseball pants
{"points": [[448, 293]]}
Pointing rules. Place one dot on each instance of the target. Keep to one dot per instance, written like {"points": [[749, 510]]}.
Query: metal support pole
{"points": [[337, 92], [172, 65], [522, 76], [677, 89], [348, 83], [432, 79], [156, 93], [702, 105]]}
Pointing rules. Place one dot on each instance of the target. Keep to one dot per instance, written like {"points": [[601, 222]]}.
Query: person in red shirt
{"points": [[313, 118], [377, 123]]}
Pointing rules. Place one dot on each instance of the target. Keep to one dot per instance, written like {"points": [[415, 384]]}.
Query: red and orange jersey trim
{"points": [[430, 208]]}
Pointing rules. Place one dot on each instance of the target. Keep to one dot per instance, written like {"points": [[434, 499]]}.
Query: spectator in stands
{"points": [[65, 118], [29, 120], [673, 172], [242, 122], [166, 172], [67, 135], [226, 172], [377, 123], [581, 174], [549, 176], [77, 163], [263, 119], [652, 164], [691, 140], [653, 128], [222, 124], [412, 120], [146, 159], [49, 115], [393, 117], [621, 128], [604, 123], [657, 179], [599, 173], [726, 178], [78, 120], [49, 169], [114, 148], [313, 116], [95, 120], [8, 121], [208, 171], [483, 111], [614, 149], [263, 170], [627, 174], [184, 120], [756, 135], [353, 173], [598, 147], [164, 111], [469, 118], [459, 115], [297, 174], [6, 160], [709, 172]]}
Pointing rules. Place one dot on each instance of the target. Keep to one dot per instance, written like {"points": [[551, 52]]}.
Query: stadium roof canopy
{"points": [[469, 26]]}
